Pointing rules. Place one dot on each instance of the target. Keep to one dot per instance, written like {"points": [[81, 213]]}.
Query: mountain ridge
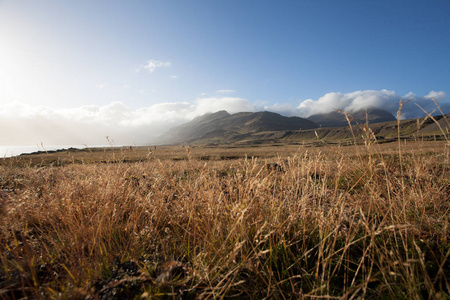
{"points": [[221, 123], [249, 128], [338, 119]]}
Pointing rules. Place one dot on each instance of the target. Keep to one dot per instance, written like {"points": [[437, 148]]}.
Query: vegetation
{"points": [[249, 129], [361, 221]]}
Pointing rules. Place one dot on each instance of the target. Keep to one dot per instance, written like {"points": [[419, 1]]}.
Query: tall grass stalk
{"points": [[335, 223]]}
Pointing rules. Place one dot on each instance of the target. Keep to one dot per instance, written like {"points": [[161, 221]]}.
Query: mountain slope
{"points": [[336, 119], [221, 125], [268, 128]]}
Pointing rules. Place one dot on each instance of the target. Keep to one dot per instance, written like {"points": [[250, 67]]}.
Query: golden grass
{"points": [[296, 222], [279, 221]]}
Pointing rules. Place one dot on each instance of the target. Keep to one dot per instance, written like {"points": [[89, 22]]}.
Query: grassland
{"points": [[279, 222]]}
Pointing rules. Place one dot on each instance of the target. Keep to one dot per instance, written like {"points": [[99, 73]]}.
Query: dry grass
{"points": [[331, 222]]}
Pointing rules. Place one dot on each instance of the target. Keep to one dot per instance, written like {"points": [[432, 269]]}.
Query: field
{"points": [[279, 221]]}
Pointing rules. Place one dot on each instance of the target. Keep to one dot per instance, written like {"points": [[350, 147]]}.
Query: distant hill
{"points": [[224, 127], [336, 119], [247, 128]]}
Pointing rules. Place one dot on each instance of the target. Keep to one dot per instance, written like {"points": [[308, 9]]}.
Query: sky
{"points": [[76, 72]]}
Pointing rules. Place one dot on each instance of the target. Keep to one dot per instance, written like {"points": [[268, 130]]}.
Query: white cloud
{"points": [[173, 77], [225, 91], [30, 125], [384, 99], [284, 109], [438, 96], [152, 65], [213, 104]]}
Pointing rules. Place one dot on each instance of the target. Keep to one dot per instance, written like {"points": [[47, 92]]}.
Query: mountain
{"points": [[336, 119], [248, 128], [224, 127]]}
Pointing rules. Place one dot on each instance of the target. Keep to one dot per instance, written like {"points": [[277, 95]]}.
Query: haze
{"points": [[76, 72]]}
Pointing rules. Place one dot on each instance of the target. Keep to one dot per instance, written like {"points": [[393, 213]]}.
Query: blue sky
{"points": [[131, 69]]}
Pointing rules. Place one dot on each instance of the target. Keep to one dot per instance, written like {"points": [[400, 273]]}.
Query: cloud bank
{"points": [[30, 125], [384, 99], [27, 125]]}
